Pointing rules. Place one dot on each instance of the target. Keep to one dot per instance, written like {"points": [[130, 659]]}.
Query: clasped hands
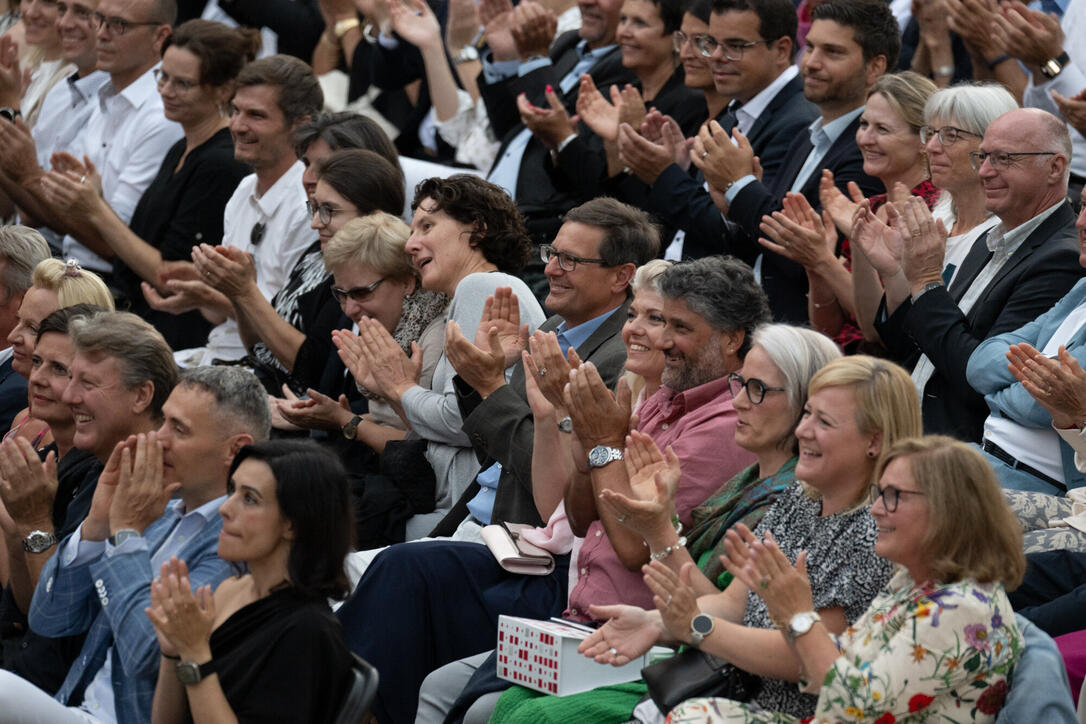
{"points": [[764, 568], [376, 360], [1058, 385], [182, 618]]}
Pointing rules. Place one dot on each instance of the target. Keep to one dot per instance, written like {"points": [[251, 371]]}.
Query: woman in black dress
{"points": [[183, 206], [265, 646]]}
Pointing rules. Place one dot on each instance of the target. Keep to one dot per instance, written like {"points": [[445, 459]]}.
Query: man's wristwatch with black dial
{"points": [[1054, 66], [39, 541], [9, 113], [189, 672], [602, 454]]}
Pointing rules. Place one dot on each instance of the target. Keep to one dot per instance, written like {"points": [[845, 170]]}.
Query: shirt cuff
{"points": [[135, 544], [78, 552], [528, 66], [495, 71], [388, 42], [738, 186]]}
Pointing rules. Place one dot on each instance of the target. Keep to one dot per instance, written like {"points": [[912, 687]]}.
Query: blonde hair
{"points": [[375, 241], [72, 283], [907, 93], [885, 397], [644, 278], [972, 532]]}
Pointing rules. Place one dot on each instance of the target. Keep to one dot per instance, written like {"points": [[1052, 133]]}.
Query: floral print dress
{"points": [[938, 653]]}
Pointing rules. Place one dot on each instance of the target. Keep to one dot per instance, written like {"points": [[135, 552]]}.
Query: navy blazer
{"points": [[12, 395], [1041, 271]]}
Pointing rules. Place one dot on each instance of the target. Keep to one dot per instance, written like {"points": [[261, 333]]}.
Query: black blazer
{"points": [[542, 191], [501, 427], [785, 281], [1037, 275], [681, 199], [13, 394]]}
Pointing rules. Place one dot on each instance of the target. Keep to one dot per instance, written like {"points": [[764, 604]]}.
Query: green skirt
{"points": [[605, 705]]}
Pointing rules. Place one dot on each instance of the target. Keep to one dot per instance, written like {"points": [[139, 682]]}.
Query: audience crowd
{"points": [[760, 323]]}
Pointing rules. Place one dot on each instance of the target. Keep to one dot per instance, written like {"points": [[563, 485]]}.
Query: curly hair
{"points": [[498, 227]]}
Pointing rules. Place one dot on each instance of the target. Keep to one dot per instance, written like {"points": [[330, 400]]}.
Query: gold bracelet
{"points": [[816, 305]]}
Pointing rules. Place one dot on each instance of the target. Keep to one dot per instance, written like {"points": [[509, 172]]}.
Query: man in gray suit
{"points": [[589, 268]]}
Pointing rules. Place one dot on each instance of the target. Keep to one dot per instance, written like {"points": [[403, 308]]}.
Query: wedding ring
{"points": [[82, 179], [542, 371], [765, 582], [613, 651], [621, 518], [668, 600], [916, 234], [704, 155]]}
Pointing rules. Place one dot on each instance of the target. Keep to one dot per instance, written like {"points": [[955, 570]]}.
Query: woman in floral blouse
{"points": [[940, 641]]}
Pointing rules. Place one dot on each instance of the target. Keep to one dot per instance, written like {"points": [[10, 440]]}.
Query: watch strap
{"points": [[39, 541]]}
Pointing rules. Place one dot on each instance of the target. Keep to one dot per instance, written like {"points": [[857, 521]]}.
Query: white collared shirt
{"points": [[749, 112], [281, 209], [126, 138]]}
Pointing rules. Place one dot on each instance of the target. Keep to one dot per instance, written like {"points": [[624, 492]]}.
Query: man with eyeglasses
{"points": [[124, 137], [267, 217], [750, 46], [1010, 275]]}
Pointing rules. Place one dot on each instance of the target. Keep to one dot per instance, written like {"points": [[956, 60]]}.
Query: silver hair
{"points": [[648, 274], [798, 353], [240, 398], [22, 248], [969, 106]]}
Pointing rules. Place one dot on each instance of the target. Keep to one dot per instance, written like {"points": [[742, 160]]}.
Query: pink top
{"points": [[700, 425]]}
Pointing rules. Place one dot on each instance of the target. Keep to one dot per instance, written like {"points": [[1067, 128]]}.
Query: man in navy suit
{"points": [[21, 248], [850, 44]]}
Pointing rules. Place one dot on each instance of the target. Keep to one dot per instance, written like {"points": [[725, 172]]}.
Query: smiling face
{"points": [[641, 38], [835, 76], [766, 427], [695, 65], [901, 533], [890, 147], [260, 131], [693, 350], [1024, 189], [385, 303], [37, 304], [833, 452], [643, 334], [440, 248], [105, 410], [40, 23], [198, 102], [78, 37], [253, 527], [950, 166], [340, 209], [590, 289], [51, 362], [599, 20], [742, 79]]}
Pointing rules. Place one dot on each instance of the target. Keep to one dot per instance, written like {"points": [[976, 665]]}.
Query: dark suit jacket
{"points": [[542, 192], [501, 427], [298, 23], [12, 394], [1037, 275], [785, 281]]}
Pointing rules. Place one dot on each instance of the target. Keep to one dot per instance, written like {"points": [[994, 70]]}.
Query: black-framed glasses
{"points": [[890, 495], [1001, 160], [179, 84], [566, 262], [356, 294], [755, 388], [680, 39], [257, 234], [117, 26], [324, 212], [733, 48], [948, 135]]}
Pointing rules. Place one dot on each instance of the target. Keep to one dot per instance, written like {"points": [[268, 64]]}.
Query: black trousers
{"points": [[1053, 592]]}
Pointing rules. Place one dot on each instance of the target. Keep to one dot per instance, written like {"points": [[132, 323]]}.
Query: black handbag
{"points": [[692, 673]]}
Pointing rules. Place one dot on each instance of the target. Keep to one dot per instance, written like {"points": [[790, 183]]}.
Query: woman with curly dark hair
{"points": [[467, 241]]}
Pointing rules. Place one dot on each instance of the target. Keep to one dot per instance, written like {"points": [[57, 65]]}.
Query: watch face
{"points": [[597, 456], [188, 672], [565, 424], [702, 624], [38, 541], [801, 623]]}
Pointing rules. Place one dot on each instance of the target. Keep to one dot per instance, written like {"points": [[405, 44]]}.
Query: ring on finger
{"points": [[542, 371], [668, 603], [765, 581], [704, 155], [613, 651]]}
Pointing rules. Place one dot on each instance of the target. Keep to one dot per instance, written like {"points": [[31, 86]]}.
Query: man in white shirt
{"points": [[267, 216], [66, 107], [126, 135]]}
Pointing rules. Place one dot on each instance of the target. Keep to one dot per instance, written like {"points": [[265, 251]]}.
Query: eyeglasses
{"points": [[566, 262], [755, 388], [890, 495], [356, 294], [82, 13], [180, 85], [680, 39], [117, 26], [1001, 160], [257, 234], [733, 49], [948, 135], [324, 212]]}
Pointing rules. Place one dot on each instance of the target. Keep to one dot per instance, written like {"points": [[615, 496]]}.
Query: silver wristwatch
{"points": [[122, 535], [565, 424], [602, 454], [39, 541], [701, 626]]}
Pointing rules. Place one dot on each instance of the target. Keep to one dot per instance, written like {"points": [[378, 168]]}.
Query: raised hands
{"points": [[674, 597], [798, 233], [227, 269], [534, 28], [1029, 35], [141, 494], [27, 485], [599, 418], [182, 619], [415, 22], [785, 588], [497, 19], [462, 25], [550, 125], [1058, 385], [548, 369], [653, 482]]}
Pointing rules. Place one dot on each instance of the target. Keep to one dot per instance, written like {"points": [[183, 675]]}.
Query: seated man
{"points": [[1011, 275], [132, 527]]}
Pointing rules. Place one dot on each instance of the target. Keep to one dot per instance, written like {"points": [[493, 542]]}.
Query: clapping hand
{"points": [[551, 126], [629, 632], [18, 154], [1073, 109], [1058, 385], [534, 28], [880, 243], [597, 112], [318, 412], [799, 234], [548, 369], [841, 208], [723, 159], [922, 261], [654, 480], [599, 417], [785, 588], [1029, 35], [674, 597], [27, 485], [227, 269], [392, 371], [182, 619]]}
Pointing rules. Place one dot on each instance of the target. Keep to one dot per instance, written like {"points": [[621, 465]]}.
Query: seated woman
{"points": [[890, 140], [781, 359], [237, 655], [856, 409], [184, 204], [467, 240], [55, 285], [940, 642]]}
